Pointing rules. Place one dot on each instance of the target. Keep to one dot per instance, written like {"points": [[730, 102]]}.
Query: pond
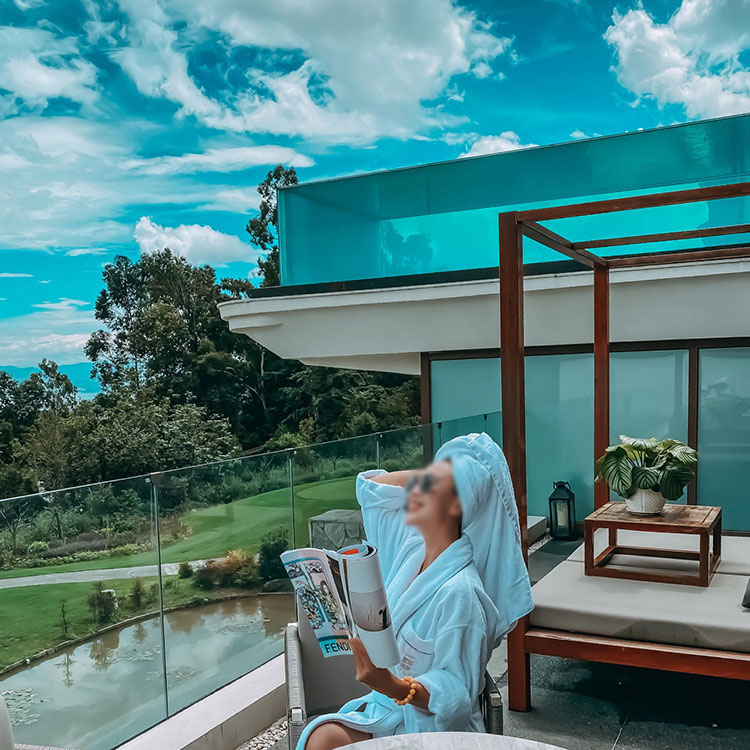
{"points": [[97, 694]]}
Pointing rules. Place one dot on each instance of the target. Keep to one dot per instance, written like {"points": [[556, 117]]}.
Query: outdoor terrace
{"points": [[182, 642]]}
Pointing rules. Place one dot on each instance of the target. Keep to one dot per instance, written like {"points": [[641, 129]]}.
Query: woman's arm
{"points": [[382, 680], [383, 506], [395, 478]]}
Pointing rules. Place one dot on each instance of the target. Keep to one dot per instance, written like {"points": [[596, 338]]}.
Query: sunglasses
{"points": [[422, 482]]}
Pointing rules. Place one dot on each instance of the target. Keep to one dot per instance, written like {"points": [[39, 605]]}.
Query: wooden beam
{"points": [[601, 375], [540, 233], [720, 252], [639, 239], [514, 425], [652, 200], [663, 656], [425, 387]]}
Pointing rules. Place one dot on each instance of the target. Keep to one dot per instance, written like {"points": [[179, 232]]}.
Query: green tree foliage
{"points": [[164, 337], [178, 389], [108, 439], [264, 228]]}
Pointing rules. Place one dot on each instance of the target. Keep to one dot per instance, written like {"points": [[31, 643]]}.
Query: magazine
{"points": [[342, 594]]}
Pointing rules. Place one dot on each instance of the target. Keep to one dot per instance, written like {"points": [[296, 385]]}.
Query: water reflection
{"points": [[95, 695]]}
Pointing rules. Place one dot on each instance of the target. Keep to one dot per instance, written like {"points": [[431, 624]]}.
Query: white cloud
{"points": [[75, 252], [36, 66], [578, 134], [692, 60], [221, 160], [492, 144], [369, 68], [56, 330], [68, 190], [27, 4], [156, 66], [6, 275], [197, 243], [65, 186], [64, 303], [236, 200]]}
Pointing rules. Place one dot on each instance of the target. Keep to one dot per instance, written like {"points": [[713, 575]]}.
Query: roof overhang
{"points": [[387, 329]]}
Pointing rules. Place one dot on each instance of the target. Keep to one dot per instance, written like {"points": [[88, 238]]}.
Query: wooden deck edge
{"points": [[708, 662]]}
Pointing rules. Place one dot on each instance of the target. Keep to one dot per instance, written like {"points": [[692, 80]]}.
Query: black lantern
{"points": [[562, 512]]}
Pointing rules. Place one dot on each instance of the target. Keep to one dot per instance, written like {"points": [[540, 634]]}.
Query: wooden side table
{"points": [[703, 520]]}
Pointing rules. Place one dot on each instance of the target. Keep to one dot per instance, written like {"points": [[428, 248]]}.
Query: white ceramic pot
{"points": [[646, 502]]}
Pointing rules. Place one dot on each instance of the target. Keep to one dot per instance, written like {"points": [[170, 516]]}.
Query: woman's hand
{"points": [[364, 670]]}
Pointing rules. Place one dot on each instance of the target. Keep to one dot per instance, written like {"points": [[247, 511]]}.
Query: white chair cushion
{"points": [[712, 617]]}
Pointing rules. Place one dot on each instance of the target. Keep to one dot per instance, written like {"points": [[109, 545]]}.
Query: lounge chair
{"points": [[664, 626], [316, 685]]}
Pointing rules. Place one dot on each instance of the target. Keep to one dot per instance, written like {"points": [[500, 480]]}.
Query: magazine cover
{"points": [[342, 593]]}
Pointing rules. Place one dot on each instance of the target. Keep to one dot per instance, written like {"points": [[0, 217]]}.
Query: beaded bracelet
{"points": [[412, 692]]}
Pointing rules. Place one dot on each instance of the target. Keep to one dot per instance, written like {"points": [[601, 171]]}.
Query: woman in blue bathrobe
{"points": [[449, 545]]}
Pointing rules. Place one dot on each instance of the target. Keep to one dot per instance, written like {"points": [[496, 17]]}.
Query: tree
{"points": [[46, 394], [164, 338], [264, 228], [12, 515]]}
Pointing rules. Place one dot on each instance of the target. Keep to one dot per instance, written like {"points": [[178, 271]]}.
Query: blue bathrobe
{"points": [[445, 621]]}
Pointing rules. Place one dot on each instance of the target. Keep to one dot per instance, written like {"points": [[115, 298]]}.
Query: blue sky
{"points": [[128, 125]]}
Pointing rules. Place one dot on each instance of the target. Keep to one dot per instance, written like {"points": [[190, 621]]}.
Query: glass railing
{"points": [[123, 602], [410, 221]]}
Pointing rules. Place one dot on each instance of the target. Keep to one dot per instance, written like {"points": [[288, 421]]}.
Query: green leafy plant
{"points": [[665, 466], [269, 562], [137, 593]]}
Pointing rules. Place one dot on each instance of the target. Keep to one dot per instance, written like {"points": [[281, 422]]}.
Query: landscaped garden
{"points": [[211, 531]]}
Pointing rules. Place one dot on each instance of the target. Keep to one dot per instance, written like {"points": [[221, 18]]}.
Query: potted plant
{"points": [[647, 472]]}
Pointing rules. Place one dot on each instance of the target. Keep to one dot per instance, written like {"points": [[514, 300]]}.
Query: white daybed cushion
{"points": [[712, 617], [735, 551]]}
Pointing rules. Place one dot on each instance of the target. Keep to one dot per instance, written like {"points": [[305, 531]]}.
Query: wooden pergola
{"points": [[513, 227]]}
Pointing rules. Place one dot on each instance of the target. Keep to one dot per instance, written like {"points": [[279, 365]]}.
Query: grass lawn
{"points": [[31, 618], [237, 525]]}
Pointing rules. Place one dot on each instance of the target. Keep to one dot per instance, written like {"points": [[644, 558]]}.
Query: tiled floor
{"points": [[584, 706]]}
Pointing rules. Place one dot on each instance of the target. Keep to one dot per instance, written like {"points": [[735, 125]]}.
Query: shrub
{"points": [[185, 570], [101, 603], [269, 562], [246, 576], [137, 591], [37, 548], [153, 593], [238, 568], [82, 543], [205, 576]]}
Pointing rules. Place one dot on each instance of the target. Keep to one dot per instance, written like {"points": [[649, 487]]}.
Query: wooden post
{"points": [[514, 427], [601, 373]]}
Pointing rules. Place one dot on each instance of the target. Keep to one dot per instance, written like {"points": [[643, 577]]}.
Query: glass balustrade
{"points": [[123, 602]]}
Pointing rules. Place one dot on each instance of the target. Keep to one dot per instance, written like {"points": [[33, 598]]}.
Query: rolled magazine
{"points": [[342, 594]]}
